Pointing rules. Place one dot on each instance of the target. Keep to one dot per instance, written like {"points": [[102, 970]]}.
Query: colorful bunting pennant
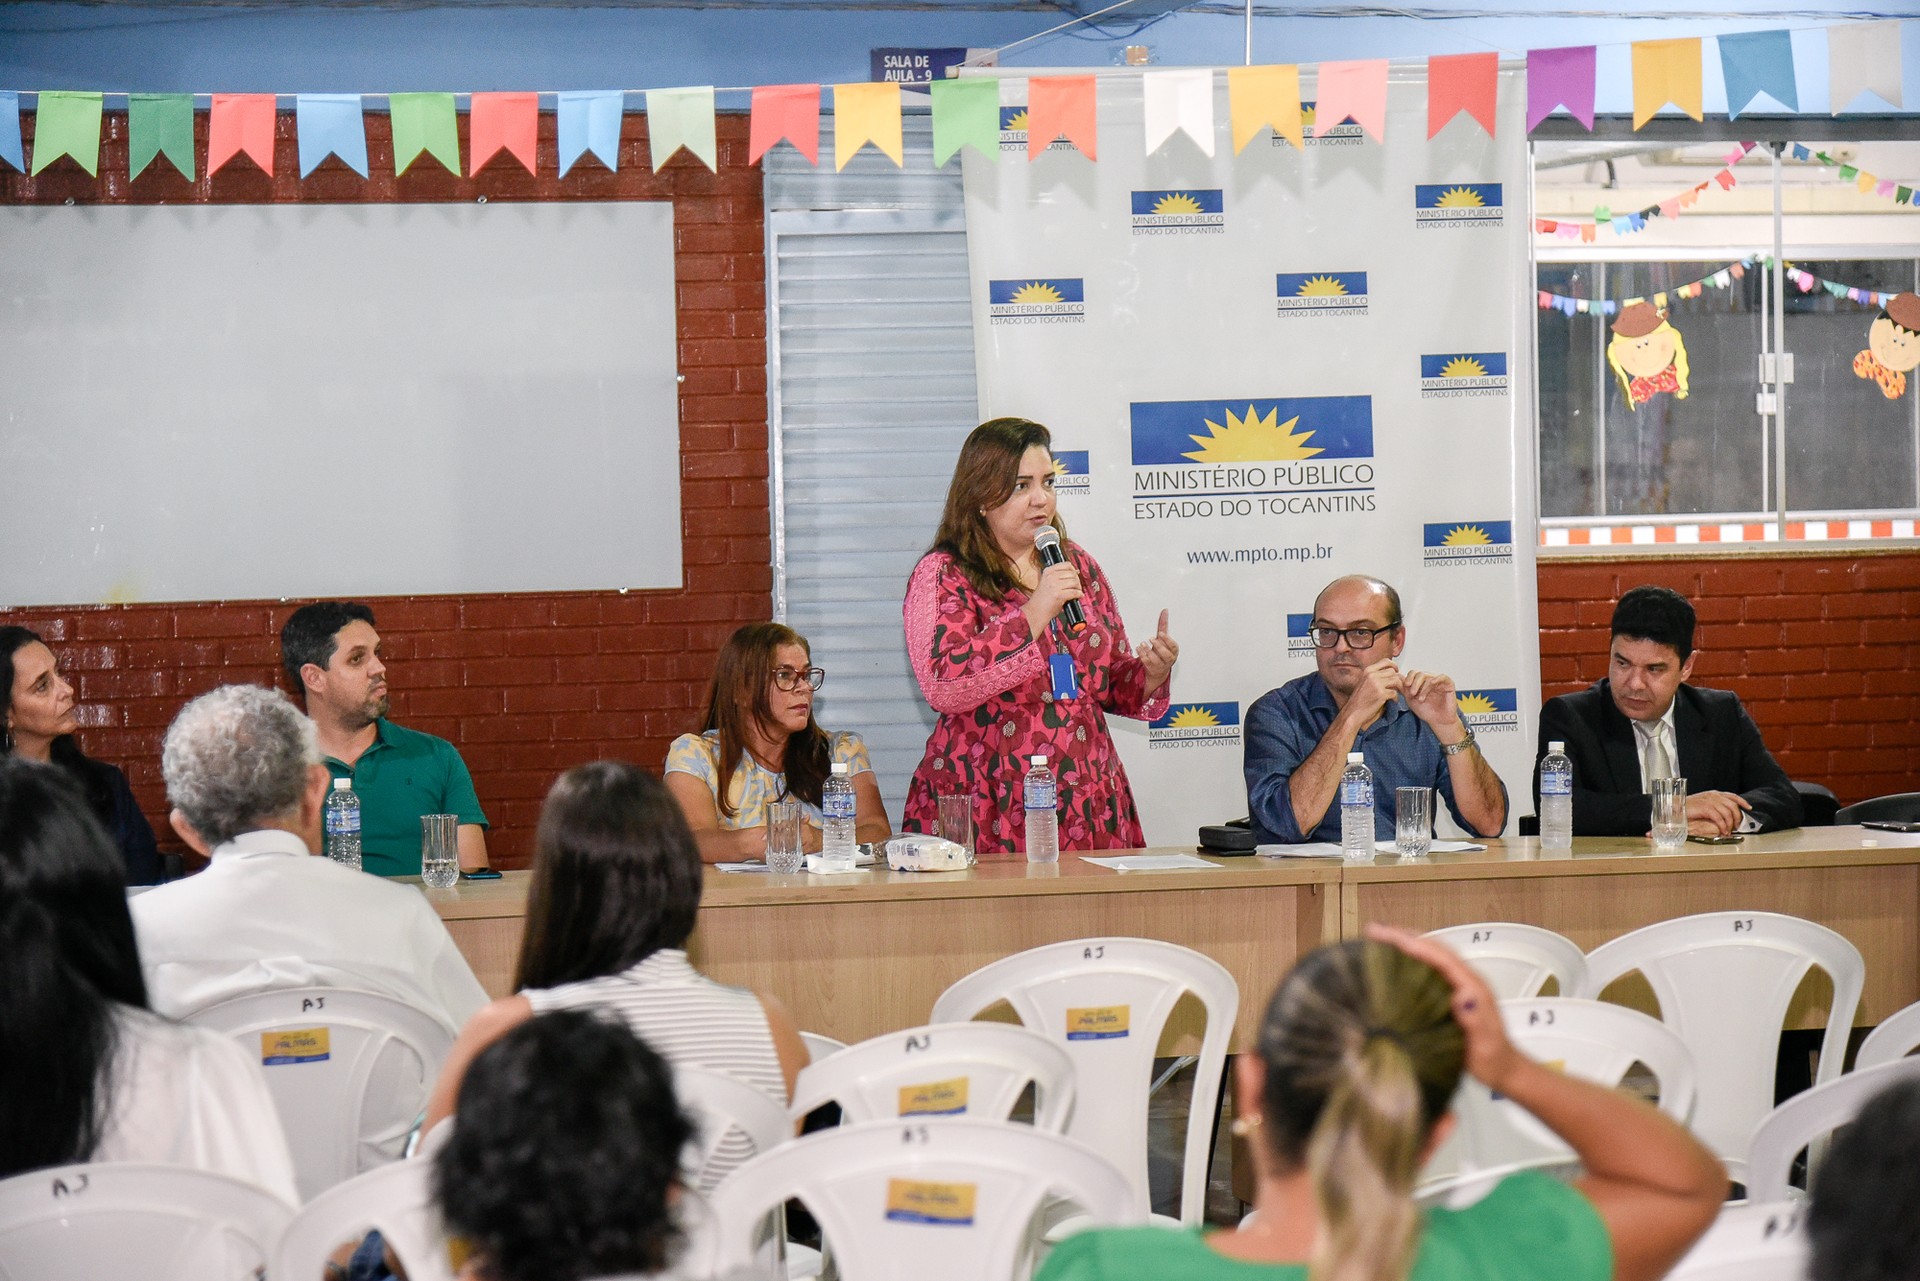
{"points": [[867, 112], [159, 124], [788, 113], [68, 124], [1178, 102], [11, 149], [424, 122], [1355, 91], [966, 113], [1261, 98], [1756, 63], [682, 118], [1062, 107], [1723, 278], [1560, 78], [330, 124], [1670, 208], [508, 122], [590, 121], [241, 123], [1666, 71], [1863, 57], [1866, 183], [1468, 82]]}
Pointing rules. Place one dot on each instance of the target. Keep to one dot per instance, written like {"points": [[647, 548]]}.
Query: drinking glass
{"points": [[785, 827], [956, 821], [1669, 813], [1413, 821], [440, 850]]}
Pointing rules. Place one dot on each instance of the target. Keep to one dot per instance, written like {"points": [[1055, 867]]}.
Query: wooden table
{"points": [[858, 955]]}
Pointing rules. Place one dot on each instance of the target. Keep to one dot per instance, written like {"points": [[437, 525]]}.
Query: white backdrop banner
{"points": [[1264, 371]]}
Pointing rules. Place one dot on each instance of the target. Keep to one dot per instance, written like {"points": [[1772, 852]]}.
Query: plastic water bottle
{"points": [[1556, 799], [1043, 813], [837, 816], [1356, 808], [343, 824]]}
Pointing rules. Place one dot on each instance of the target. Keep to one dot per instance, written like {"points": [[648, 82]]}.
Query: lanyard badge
{"points": [[1066, 681]]}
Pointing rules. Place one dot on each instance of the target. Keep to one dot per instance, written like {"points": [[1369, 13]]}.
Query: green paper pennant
{"points": [[67, 124], [1902, 194], [965, 113], [678, 118], [1848, 173], [160, 124], [424, 122]]}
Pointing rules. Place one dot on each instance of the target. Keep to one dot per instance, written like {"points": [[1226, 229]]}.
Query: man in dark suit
{"points": [[1644, 721]]}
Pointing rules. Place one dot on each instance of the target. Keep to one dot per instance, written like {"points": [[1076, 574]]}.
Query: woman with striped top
{"points": [[616, 885]]}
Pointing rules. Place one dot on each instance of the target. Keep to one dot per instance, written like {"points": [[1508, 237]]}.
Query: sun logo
{"points": [[1476, 705], [1036, 292], [1307, 115], [1252, 439], [1177, 202], [1463, 367], [1459, 198], [1060, 467], [1467, 536], [1322, 287], [1192, 718], [1018, 121]]}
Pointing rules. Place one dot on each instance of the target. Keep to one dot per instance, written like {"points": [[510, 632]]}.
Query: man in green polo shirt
{"points": [[332, 656]]}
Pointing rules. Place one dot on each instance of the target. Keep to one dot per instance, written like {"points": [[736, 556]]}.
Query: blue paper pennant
{"points": [[1758, 62], [590, 121], [11, 149], [330, 124]]}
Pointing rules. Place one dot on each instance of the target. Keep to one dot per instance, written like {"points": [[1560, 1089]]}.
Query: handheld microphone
{"points": [[1047, 543]]}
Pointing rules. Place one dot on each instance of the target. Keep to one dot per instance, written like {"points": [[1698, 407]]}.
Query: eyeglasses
{"points": [[1357, 637], [788, 679]]}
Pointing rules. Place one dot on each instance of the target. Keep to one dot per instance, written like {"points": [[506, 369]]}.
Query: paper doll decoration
{"points": [[1647, 354], [1893, 346]]}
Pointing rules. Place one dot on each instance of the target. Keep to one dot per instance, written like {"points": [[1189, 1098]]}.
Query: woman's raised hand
{"points": [[1491, 1056], [1058, 584]]}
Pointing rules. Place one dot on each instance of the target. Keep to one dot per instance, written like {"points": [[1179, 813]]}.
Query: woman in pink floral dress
{"points": [[989, 650]]}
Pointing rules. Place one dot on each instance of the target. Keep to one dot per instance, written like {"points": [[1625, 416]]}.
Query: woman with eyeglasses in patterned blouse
{"points": [[759, 744]]}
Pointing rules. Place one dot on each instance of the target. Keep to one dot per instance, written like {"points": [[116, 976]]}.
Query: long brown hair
{"points": [[983, 478], [1362, 1055], [742, 674]]}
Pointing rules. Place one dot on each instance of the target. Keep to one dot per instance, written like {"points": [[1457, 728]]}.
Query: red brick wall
{"points": [[1823, 650], [526, 685]]}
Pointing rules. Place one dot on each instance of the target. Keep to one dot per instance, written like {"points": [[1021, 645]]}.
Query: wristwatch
{"points": [[1454, 749]]}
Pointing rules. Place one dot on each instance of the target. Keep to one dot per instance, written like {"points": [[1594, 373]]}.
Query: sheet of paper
{"points": [[741, 867], [1318, 849], [1438, 847], [1149, 862]]}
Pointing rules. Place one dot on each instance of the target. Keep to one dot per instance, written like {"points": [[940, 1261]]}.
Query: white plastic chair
{"points": [[1750, 1242], [1897, 1036], [155, 1222], [940, 1200], [1724, 981], [397, 1199], [1806, 1118], [347, 1105], [1517, 960], [820, 1046], [1105, 1001], [720, 1106], [1590, 1040], [945, 1069]]}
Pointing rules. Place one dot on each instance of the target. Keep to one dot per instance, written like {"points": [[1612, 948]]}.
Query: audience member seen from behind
{"points": [[40, 726], [616, 885], [566, 1161], [332, 655], [87, 1072], [1865, 1221], [1359, 1055], [244, 775], [759, 744]]}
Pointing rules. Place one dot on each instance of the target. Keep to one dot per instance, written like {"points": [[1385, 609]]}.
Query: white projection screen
{"points": [[219, 402]]}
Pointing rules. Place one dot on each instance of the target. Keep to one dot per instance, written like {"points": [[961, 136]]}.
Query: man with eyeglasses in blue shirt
{"points": [[1359, 699]]}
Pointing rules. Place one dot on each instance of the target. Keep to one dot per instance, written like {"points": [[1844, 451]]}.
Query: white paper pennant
{"points": [[1178, 102], [1863, 56]]}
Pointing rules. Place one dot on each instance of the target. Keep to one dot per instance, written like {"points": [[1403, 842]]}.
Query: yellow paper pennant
{"points": [[1665, 71], [1259, 97], [864, 113]]}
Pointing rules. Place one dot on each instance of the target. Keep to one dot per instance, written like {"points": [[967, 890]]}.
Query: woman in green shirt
{"points": [[1360, 1052]]}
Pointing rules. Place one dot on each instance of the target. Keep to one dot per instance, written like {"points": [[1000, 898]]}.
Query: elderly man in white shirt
{"points": [[244, 775]]}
